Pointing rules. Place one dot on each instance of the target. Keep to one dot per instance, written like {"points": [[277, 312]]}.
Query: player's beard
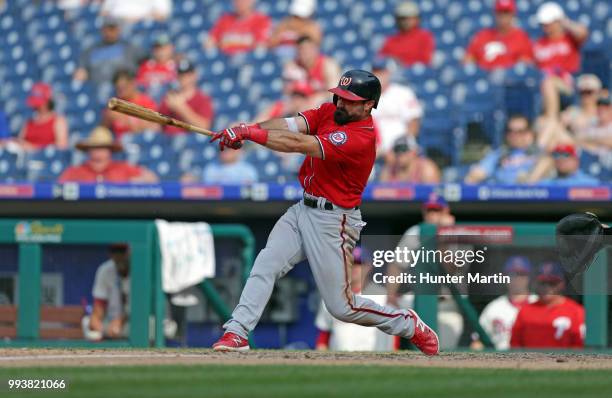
{"points": [[341, 116]]}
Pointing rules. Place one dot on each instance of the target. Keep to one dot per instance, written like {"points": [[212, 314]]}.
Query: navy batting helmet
{"points": [[357, 85]]}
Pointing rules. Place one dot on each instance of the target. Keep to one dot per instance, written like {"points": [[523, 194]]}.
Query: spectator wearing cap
{"points": [[126, 89], [405, 163], [512, 163], [239, 31], [100, 166], [584, 115], [567, 168], [336, 335], [598, 139], [557, 54], [298, 23], [553, 321], [412, 44], [45, 127], [312, 68], [503, 45], [399, 112], [498, 316], [132, 11], [187, 102], [159, 71], [101, 61]]}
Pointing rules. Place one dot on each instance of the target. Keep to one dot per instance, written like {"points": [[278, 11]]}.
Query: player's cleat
{"points": [[424, 338], [231, 342]]}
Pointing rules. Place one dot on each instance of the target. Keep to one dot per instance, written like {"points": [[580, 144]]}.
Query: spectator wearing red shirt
{"points": [[100, 166], [557, 54], [240, 31], [125, 88], [411, 44], [313, 69], [554, 321], [187, 103], [501, 46], [45, 127], [157, 72]]}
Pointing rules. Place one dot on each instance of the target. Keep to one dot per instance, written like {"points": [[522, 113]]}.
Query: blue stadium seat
{"points": [[46, 164], [11, 169]]}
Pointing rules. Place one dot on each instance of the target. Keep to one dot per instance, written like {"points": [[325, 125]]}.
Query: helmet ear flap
{"points": [[335, 99]]}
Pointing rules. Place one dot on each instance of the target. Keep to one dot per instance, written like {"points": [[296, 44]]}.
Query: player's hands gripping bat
{"points": [[579, 237], [131, 109], [234, 136]]}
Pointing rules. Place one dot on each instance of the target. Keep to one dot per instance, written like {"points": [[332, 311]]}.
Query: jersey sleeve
{"points": [[516, 338], [338, 146], [101, 290], [314, 116], [486, 319], [578, 329]]}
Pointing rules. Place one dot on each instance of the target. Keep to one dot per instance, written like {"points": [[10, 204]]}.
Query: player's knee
{"points": [[268, 264], [341, 312]]}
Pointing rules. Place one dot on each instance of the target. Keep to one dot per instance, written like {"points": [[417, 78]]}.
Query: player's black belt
{"points": [[327, 205]]}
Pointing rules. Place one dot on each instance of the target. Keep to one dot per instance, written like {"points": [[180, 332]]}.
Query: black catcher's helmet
{"points": [[358, 85]]}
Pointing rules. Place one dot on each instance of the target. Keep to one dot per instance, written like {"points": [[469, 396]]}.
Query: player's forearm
{"points": [[577, 30], [288, 142]]}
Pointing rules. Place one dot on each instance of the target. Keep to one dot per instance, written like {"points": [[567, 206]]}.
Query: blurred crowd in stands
{"points": [[568, 142]]}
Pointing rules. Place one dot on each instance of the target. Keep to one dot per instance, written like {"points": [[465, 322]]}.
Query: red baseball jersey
{"points": [[234, 35], [416, 45], [539, 325], [492, 49], [348, 150], [559, 55]]}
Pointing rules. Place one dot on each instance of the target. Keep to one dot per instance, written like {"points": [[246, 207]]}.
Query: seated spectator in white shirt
{"points": [[399, 112]]}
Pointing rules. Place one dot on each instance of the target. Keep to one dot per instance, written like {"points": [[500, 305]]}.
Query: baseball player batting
{"points": [[339, 142]]}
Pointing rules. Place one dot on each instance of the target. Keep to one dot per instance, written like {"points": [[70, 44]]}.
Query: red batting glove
{"points": [[233, 136]]}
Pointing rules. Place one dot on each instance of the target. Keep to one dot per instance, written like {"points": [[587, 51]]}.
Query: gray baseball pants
{"points": [[326, 238]]}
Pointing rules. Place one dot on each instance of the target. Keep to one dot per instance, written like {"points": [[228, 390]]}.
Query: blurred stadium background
{"points": [[463, 105]]}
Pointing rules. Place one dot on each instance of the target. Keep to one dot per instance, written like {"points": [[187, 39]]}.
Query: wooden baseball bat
{"points": [[129, 108]]}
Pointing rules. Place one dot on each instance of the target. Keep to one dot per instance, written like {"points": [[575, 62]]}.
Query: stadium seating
{"points": [[39, 42]]}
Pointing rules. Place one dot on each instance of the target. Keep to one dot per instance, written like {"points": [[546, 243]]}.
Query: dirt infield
{"points": [[83, 357]]}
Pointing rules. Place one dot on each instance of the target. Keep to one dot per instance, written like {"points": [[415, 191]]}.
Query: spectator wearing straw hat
{"points": [[100, 166]]}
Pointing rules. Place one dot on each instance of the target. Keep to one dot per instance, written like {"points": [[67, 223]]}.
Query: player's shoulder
{"points": [[325, 109], [106, 269]]}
